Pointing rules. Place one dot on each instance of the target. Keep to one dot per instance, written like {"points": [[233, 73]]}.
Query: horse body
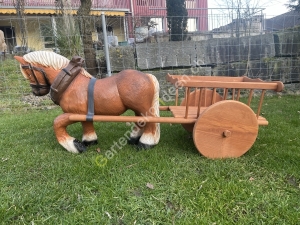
{"points": [[130, 89], [112, 95]]}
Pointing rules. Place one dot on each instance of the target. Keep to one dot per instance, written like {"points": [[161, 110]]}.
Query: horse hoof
{"points": [[133, 141], [79, 146], [88, 143], [142, 146]]}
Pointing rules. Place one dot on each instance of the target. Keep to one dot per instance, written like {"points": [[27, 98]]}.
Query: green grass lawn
{"points": [[41, 183]]}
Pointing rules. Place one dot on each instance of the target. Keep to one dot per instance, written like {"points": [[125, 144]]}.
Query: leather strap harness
{"points": [[38, 86], [64, 79]]}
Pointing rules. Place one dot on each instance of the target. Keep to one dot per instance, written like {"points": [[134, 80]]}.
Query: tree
{"points": [[86, 29], [65, 30], [294, 5], [177, 19], [19, 6]]}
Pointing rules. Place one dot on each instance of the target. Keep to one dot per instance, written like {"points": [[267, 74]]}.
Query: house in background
{"points": [[41, 18], [286, 20], [156, 10], [256, 25], [241, 27]]}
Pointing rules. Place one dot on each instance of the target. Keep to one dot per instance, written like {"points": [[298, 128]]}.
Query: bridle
{"points": [[37, 86]]}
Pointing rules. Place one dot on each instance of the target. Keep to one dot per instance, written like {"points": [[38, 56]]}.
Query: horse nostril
{"points": [[34, 92]]}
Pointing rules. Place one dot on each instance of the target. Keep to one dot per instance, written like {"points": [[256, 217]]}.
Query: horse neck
{"points": [[51, 73]]}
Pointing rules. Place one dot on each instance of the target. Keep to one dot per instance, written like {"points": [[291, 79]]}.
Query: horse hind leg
{"points": [[151, 132], [150, 136], [136, 133], [144, 135], [89, 135]]}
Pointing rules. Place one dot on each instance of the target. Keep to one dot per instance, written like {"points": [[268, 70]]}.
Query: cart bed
{"points": [[179, 112], [202, 91]]}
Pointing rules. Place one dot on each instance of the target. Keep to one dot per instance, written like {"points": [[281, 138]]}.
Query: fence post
{"points": [[106, 45]]}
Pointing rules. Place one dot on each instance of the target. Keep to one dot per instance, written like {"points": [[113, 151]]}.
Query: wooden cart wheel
{"points": [[226, 129], [206, 100]]}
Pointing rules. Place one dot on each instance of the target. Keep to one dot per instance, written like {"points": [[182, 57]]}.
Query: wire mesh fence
{"points": [[214, 44]]}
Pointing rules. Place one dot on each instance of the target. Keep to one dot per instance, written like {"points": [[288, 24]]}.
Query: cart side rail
{"points": [[279, 88], [234, 85], [183, 78], [224, 82]]}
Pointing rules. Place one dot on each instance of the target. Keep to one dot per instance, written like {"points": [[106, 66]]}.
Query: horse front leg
{"points": [[89, 135], [64, 139]]}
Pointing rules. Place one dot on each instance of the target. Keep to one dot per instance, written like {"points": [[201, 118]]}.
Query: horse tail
{"points": [[155, 106]]}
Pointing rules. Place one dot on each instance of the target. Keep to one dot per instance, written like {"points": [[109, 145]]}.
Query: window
{"points": [[158, 24], [190, 4], [192, 24], [157, 3], [141, 2]]}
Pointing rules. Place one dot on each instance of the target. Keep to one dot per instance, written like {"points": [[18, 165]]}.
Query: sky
{"points": [[276, 9], [272, 8]]}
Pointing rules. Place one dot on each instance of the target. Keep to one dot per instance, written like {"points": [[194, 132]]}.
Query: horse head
{"points": [[41, 68], [37, 77]]}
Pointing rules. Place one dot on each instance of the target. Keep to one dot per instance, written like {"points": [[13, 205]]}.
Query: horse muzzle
{"points": [[40, 90]]}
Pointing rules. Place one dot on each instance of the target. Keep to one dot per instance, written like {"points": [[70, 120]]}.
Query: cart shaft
{"points": [[136, 119]]}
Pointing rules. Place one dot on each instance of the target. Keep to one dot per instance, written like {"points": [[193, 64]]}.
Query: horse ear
{"points": [[20, 59]]}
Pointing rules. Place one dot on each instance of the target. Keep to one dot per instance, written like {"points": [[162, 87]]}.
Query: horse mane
{"points": [[50, 59]]}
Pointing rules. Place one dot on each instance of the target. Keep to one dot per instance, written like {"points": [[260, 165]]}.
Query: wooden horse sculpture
{"points": [[3, 46], [129, 89]]}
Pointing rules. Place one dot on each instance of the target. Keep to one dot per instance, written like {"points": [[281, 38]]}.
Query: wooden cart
{"points": [[222, 125]]}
